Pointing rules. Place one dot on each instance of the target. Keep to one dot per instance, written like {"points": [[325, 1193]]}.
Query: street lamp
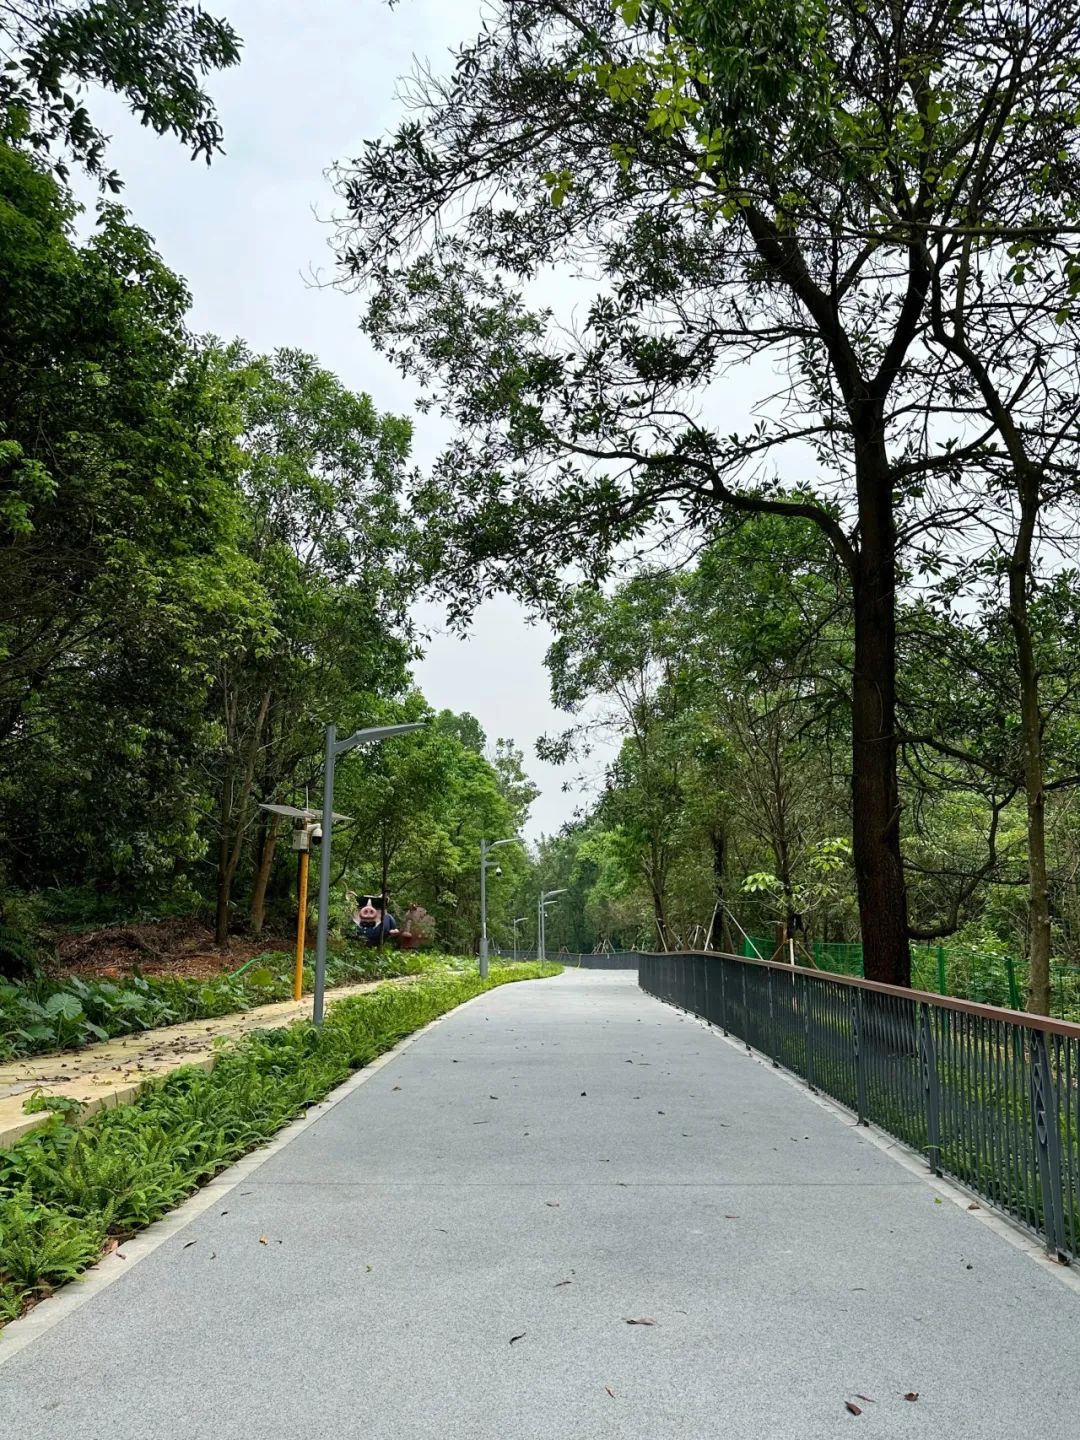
{"points": [[303, 832], [334, 748], [518, 920], [546, 897], [485, 865]]}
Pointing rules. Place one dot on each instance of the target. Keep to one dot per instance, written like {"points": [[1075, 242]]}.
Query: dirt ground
{"points": [[181, 946]]}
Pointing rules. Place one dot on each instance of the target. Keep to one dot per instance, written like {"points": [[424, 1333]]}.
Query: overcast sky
{"points": [[315, 81]]}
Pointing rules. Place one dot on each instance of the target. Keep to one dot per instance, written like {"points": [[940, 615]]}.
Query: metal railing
{"points": [[612, 960], [988, 1096]]}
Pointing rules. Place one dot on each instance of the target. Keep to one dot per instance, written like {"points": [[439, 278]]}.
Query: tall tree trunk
{"points": [[875, 793], [1031, 728], [224, 878], [719, 927], [262, 873], [659, 917], [233, 806]]}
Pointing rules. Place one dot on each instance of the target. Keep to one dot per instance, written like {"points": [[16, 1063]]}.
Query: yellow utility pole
{"points": [[301, 926]]}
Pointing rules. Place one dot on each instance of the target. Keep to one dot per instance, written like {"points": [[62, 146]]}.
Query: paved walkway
{"points": [[113, 1072], [419, 1237]]}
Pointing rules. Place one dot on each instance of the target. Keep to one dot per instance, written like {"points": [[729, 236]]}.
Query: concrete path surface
{"points": [[456, 1248]]}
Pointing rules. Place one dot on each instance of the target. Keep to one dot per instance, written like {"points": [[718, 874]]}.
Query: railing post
{"points": [[1014, 989], [931, 1089], [773, 1047], [1044, 1114], [804, 1001], [723, 995], [744, 1037], [857, 1036]]}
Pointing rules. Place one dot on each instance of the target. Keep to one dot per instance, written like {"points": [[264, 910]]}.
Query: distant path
{"points": [[418, 1226]]}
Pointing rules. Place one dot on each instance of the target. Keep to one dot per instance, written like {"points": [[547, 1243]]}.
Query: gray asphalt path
{"points": [[574, 1131]]}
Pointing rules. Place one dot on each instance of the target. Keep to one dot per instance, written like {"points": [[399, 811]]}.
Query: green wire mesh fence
{"points": [[963, 971]]}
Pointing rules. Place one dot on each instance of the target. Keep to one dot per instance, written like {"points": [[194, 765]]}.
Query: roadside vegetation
{"points": [[45, 1013], [68, 1191]]}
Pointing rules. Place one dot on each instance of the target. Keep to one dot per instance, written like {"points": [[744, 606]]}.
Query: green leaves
{"points": [[153, 53], [559, 183]]}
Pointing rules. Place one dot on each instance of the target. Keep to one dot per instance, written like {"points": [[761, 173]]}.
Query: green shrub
{"points": [[43, 1014], [65, 1189]]}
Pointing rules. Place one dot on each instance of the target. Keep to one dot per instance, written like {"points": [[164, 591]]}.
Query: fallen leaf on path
{"points": [[731, 1217], [396, 1087], [643, 1320], [868, 1398], [190, 1243], [264, 1240], [224, 1212], [553, 1203], [583, 1093], [855, 1409], [558, 1283], [213, 1254], [515, 1338], [493, 1097], [912, 1395], [608, 1387], [973, 1206]]}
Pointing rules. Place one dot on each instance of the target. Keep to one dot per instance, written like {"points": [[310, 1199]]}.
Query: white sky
{"points": [[314, 82]]}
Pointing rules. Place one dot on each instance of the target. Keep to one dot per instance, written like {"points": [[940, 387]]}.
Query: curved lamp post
{"points": [[546, 898], [334, 748], [486, 846]]}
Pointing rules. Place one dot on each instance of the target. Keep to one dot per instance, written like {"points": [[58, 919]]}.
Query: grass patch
{"points": [[45, 1014], [65, 1191]]}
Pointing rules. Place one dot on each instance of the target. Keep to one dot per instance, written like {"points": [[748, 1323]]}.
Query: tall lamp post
{"points": [[486, 846], [334, 748], [517, 921], [546, 898]]}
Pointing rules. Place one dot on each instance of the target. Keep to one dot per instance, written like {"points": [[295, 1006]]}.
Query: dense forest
{"points": [[816, 648], [206, 558]]}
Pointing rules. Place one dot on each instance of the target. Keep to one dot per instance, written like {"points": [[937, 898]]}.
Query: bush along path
{"points": [[81, 1082], [45, 1013], [67, 1193]]}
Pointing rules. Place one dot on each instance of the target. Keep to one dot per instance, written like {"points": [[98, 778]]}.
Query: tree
{"points": [[153, 53], [321, 475], [788, 181], [122, 578], [727, 681]]}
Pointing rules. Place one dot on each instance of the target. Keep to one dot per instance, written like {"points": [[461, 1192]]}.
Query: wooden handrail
{"points": [[1021, 1018]]}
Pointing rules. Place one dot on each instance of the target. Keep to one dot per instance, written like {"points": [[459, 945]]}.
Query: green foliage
{"points": [[42, 1014], [153, 53], [422, 806], [63, 1190]]}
